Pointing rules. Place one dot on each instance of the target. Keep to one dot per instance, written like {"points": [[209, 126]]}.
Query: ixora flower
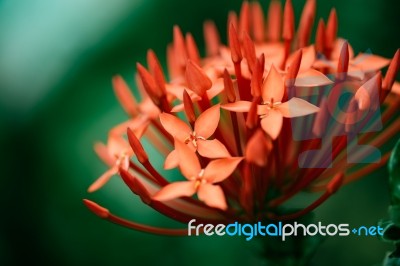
{"points": [[199, 180], [116, 154], [272, 110], [253, 123], [196, 139]]}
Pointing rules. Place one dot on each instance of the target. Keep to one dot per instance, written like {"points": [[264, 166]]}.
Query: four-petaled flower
{"points": [[197, 138], [116, 154], [272, 109], [200, 180]]}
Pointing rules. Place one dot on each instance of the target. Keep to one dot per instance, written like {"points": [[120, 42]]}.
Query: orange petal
{"points": [[262, 109], [174, 126], [116, 145], [244, 107], [125, 163], [188, 162], [272, 123], [103, 153], [370, 62], [367, 94], [312, 78], [308, 58], [217, 88], [103, 179], [239, 106], [213, 196], [138, 125], [175, 190], [172, 160], [176, 90], [148, 108], [207, 122], [273, 87], [324, 63], [124, 95], [274, 53], [214, 71], [220, 169], [355, 72], [212, 149], [297, 107]]}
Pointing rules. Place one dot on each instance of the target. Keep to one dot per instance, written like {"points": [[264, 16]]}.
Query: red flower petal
{"points": [[207, 122], [213, 196], [272, 123], [175, 127], [188, 162], [220, 169], [297, 107], [212, 149], [273, 87], [176, 190]]}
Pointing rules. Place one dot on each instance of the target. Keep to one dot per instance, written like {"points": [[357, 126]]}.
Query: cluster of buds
{"points": [[248, 124]]}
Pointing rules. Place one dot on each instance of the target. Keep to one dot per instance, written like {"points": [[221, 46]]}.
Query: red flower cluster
{"points": [[231, 121]]}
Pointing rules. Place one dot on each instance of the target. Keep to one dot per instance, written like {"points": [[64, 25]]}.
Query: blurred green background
{"points": [[56, 63]]}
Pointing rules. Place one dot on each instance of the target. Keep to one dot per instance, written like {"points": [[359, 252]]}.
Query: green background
{"points": [[56, 63]]}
